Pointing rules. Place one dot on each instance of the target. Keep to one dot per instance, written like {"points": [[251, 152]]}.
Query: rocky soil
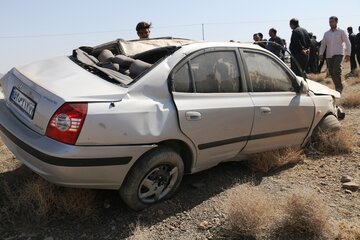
{"points": [[198, 210]]}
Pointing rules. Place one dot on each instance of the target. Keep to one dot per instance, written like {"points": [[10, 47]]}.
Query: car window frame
{"points": [[295, 83], [243, 86]]}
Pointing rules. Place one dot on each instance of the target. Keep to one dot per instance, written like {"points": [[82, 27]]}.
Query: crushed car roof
{"points": [[133, 47]]}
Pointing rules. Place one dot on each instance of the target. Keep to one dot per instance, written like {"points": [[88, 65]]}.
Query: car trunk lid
{"points": [[62, 77], [34, 92]]}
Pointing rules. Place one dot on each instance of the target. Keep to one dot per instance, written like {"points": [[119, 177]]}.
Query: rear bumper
{"points": [[102, 167]]}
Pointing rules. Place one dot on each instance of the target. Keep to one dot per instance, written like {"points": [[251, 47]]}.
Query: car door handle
{"points": [[265, 110], [193, 116]]}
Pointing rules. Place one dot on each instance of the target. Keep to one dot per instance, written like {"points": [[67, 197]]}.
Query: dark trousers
{"points": [[321, 63], [358, 55], [313, 64], [353, 60], [303, 62], [334, 66]]}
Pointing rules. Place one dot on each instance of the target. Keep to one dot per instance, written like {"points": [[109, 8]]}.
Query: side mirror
{"points": [[304, 87]]}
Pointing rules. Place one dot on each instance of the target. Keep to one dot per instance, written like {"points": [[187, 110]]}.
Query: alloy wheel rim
{"points": [[158, 183]]}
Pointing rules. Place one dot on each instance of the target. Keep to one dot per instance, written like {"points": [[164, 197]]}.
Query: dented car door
{"points": [[208, 93]]}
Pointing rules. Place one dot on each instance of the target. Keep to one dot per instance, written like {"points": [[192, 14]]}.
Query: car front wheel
{"points": [[330, 123], [155, 177]]}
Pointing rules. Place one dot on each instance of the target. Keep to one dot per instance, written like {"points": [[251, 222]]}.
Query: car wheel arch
{"points": [[327, 125], [316, 128], [183, 150]]}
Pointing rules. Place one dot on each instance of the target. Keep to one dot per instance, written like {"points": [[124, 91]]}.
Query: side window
{"points": [[182, 81], [215, 72], [267, 75]]}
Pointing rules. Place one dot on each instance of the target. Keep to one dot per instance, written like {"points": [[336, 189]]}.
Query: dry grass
{"points": [[355, 81], [355, 75], [351, 100], [36, 200], [348, 230], [331, 143], [317, 77], [322, 78], [273, 160], [140, 232], [306, 215], [7, 160], [302, 214], [249, 211], [328, 82]]}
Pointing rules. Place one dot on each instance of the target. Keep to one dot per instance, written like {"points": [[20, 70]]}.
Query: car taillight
{"points": [[66, 123]]}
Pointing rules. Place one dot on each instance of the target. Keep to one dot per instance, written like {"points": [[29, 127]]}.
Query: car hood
{"points": [[320, 89], [67, 80]]}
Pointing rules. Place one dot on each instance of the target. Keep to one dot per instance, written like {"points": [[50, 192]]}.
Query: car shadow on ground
{"points": [[115, 220], [194, 190]]}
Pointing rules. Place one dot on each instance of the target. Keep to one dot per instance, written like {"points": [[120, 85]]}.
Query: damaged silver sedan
{"points": [[136, 116]]}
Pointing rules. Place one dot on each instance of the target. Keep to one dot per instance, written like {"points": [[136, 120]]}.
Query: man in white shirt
{"points": [[333, 42]]}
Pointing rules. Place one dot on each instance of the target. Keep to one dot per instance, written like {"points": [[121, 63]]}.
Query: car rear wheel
{"points": [[154, 178]]}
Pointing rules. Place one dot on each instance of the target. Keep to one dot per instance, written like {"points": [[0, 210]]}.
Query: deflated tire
{"points": [[155, 177]]}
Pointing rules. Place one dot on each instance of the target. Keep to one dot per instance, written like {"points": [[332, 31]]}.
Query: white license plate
{"points": [[23, 102]]}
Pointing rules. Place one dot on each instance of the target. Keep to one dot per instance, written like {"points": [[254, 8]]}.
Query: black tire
{"points": [[330, 123], [155, 177]]}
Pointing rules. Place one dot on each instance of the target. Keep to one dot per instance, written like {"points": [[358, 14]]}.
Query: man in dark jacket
{"points": [[314, 53], [299, 46], [257, 40], [352, 38], [275, 43], [358, 46]]}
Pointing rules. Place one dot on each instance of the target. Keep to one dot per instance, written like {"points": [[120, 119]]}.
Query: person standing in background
{"points": [[283, 50], [357, 46], [314, 54], [143, 30], [275, 43], [299, 46], [257, 40], [262, 37], [321, 61], [352, 38], [333, 41]]}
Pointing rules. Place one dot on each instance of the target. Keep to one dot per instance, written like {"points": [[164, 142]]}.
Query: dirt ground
{"points": [[198, 211]]}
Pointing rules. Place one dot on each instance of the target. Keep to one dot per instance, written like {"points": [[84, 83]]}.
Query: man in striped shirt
{"points": [[333, 42]]}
